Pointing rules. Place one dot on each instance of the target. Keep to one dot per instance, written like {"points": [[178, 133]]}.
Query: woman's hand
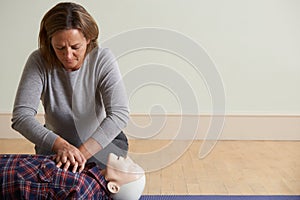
{"points": [[68, 155]]}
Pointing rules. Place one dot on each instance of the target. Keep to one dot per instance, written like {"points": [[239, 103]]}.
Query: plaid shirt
{"points": [[37, 177]]}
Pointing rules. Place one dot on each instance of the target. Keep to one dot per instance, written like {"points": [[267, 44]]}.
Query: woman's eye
{"points": [[60, 48], [75, 47]]}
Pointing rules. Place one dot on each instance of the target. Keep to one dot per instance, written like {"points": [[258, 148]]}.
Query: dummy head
{"points": [[126, 179]]}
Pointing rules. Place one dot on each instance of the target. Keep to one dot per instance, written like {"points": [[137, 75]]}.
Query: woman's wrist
{"points": [[58, 144], [89, 148]]}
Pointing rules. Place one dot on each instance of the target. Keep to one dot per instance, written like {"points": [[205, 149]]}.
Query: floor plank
{"points": [[232, 167]]}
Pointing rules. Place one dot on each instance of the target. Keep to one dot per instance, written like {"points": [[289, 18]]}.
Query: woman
{"points": [[81, 89]]}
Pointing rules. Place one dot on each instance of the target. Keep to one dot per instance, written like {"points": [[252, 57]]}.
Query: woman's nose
{"points": [[68, 53]]}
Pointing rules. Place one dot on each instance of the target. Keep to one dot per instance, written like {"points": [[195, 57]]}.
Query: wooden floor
{"points": [[233, 167]]}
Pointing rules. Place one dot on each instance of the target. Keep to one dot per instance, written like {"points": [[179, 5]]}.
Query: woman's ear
{"points": [[113, 187]]}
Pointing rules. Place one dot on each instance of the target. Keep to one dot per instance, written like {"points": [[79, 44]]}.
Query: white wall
{"points": [[255, 45]]}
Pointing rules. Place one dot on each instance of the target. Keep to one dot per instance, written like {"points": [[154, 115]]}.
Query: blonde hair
{"points": [[65, 16]]}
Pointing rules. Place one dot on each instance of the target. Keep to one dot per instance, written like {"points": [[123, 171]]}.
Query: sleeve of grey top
{"points": [[115, 100], [27, 101]]}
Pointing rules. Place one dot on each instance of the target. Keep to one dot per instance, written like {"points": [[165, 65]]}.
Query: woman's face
{"points": [[70, 48]]}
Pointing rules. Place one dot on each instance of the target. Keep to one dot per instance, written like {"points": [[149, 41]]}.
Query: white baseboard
{"points": [[236, 127]]}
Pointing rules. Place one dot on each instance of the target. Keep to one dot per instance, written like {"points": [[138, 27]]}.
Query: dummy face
{"points": [[121, 171], [70, 48]]}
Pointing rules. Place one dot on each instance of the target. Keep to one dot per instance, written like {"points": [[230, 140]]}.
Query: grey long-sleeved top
{"points": [[88, 102]]}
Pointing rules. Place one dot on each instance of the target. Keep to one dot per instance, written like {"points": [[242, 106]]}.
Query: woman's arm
{"points": [[111, 93], [26, 104]]}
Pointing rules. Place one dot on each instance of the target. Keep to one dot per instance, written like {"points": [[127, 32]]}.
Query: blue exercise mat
{"points": [[220, 197]]}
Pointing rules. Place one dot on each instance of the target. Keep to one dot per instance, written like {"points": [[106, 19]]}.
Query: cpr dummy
{"points": [[126, 179]]}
